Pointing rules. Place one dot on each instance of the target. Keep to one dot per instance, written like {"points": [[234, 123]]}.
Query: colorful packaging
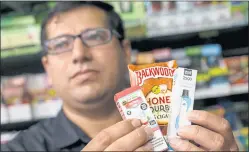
{"points": [[156, 81], [132, 104], [238, 69], [217, 69], [183, 96]]}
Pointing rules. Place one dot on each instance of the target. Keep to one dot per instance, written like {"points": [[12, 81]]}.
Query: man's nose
{"points": [[80, 52]]}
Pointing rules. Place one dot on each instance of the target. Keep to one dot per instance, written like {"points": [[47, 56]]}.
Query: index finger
{"points": [[107, 136], [210, 121]]}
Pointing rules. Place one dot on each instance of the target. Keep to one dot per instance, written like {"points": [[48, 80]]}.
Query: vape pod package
{"points": [[131, 103], [184, 83]]}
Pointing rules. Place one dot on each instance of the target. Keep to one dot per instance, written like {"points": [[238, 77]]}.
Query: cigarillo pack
{"points": [[131, 103], [156, 82]]}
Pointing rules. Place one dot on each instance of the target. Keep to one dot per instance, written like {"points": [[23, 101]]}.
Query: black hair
{"points": [[114, 20]]}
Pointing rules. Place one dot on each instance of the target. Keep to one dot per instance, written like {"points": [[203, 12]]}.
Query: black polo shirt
{"points": [[54, 134]]}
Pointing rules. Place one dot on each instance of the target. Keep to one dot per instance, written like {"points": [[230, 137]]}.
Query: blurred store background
{"points": [[210, 36]]}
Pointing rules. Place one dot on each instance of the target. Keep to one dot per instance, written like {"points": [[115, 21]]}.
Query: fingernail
{"points": [[148, 146], [149, 132], [193, 115], [136, 123], [175, 142]]}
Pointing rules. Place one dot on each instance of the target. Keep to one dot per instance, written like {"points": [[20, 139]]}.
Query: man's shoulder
{"points": [[37, 137]]}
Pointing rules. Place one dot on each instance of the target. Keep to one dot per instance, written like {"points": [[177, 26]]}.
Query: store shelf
{"points": [[223, 36], [230, 23], [21, 64], [32, 63], [18, 125], [221, 92]]}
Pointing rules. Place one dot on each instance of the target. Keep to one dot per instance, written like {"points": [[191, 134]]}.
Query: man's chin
{"points": [[88, 96]]}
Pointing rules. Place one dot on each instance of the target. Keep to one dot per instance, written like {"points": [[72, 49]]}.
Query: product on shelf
{"points": [[45, 103], [29, 97], [145, 58], [198, 63], [132, 13], [217, 69], [181, 58], [162, 55], [20, 36], [244, 133], [4, 114], [134, 53], [20, 51], [216, 109], [10, 21], [17, 98], [238, 69], [167, 18], [239, 10]]}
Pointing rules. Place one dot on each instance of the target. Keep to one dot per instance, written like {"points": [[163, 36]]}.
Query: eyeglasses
{"points": [[90, 38]]}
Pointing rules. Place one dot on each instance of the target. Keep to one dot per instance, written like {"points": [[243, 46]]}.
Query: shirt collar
{"points": [[66, 132]]}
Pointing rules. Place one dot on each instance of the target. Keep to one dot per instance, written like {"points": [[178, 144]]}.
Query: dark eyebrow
{"points": [[60, 36]]}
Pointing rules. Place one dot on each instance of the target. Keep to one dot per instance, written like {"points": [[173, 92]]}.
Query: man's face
{"points": [[85, 75]]}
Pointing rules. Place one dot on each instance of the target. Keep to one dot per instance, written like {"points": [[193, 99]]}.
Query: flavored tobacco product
{"points": [[156, 82]]}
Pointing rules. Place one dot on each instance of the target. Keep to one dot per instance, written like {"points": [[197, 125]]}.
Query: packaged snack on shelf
{"points": [[156, 81], [131, 103], [184, 83], [17, 98]]}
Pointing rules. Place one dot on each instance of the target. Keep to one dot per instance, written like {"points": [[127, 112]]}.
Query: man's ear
{"points": [[45, 63], [127, 49]]}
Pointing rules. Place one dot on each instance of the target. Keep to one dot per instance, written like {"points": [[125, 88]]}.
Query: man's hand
{"points": [[127, 135], [211, 132]]}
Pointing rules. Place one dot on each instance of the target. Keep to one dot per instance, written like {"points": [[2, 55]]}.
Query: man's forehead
{"points": [[76, 21]]}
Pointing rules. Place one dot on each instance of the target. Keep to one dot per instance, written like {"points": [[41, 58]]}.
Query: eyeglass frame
{"points": [[112, 32]]}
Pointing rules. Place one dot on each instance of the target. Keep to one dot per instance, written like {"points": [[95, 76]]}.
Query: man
{"points": [[86, 58]]}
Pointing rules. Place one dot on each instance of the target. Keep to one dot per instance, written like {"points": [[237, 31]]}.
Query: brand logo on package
{"points": [[187, 72]]}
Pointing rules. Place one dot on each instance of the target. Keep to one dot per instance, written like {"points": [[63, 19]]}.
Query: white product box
{"points": [[184, 82]]}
